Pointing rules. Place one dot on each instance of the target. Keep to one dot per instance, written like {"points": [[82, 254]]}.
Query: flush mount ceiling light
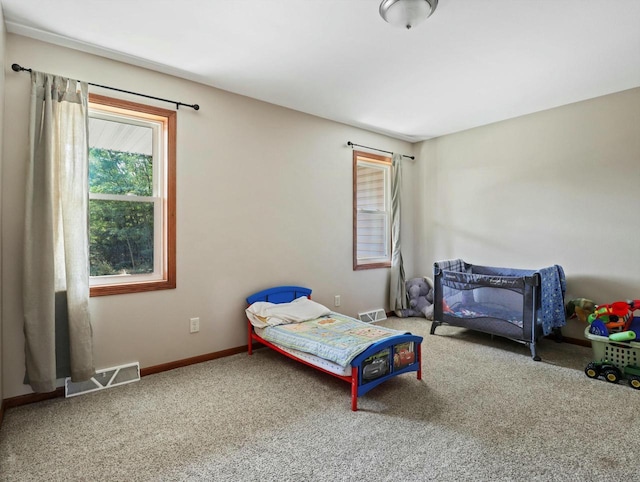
{"points": [[407, 13]]}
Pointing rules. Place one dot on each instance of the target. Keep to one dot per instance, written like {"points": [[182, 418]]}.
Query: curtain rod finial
{"points": [[19, 68]]}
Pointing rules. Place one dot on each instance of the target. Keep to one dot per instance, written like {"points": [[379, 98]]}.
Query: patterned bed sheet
{"points": [[335, 337]]}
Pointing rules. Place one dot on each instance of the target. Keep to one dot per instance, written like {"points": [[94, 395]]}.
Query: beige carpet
{"points": [[483, 411]]}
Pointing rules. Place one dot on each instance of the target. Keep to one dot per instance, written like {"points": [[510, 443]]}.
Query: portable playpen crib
{"points": [[518, 304]]}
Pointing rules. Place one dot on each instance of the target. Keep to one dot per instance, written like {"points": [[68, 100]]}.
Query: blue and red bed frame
{"points": [[286, 294]]}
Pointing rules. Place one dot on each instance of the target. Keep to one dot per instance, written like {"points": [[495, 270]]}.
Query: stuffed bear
{"points": [[420, 293]]}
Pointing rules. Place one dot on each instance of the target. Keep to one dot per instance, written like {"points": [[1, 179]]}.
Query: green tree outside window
{"points": [[121, 231]]}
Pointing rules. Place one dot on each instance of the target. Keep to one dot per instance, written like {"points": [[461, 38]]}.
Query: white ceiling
{"points": [[472, 63]]}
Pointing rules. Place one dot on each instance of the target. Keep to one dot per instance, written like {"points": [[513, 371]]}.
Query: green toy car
{"points": [[613, 374]]}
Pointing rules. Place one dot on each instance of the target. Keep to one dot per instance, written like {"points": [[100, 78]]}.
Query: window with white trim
{"points": [[131, 197], [371, 211]]}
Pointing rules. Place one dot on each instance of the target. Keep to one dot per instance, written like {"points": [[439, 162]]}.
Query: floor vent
{"points": [[106, 378], [373, 316]]}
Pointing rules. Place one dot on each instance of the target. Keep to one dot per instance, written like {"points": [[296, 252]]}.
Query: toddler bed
{"points": [[286, 320], [514, 303]]}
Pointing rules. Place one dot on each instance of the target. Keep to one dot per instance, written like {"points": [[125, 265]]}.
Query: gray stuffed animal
{"points": [[420, 293]]}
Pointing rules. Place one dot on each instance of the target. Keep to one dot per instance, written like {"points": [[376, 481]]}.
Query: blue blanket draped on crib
{"points": [[553, 287]]}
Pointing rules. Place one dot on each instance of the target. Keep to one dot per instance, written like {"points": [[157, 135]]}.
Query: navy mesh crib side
{"points": [[498, 301]]}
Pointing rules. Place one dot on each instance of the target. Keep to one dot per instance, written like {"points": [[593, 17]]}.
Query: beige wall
{"points": [[264, 198], [556, 187], [3, 36]]}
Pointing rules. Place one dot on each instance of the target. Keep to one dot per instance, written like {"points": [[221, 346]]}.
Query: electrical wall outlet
{"points": [[336, 300], [194, 325]]}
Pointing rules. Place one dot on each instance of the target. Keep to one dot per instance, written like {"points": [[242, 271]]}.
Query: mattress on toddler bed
{"points": [[314, 360], [334, 337]]}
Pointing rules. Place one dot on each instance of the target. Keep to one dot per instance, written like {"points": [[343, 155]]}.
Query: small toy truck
{"points": [[613, 374]]}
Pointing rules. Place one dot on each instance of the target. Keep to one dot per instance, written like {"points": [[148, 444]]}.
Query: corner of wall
{"points": [[425, 200], [3, 36]]}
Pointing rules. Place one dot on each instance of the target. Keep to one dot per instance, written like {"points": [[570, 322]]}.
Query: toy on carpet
{"points": [[420, 294]]}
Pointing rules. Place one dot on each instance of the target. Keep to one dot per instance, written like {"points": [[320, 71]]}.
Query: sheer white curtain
{"points": [[397, 289], [57, 328]]}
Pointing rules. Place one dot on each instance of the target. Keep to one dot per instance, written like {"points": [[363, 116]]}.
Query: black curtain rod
{"points": [[349, 143], [18, 68]]}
